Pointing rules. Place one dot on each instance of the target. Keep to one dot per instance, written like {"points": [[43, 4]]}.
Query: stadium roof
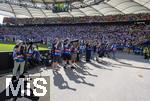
{"points": [[42, 8]]}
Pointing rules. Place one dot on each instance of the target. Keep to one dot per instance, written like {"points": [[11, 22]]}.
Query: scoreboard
{"points": [[60, 7]]}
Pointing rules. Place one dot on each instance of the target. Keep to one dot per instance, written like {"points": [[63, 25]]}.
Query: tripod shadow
{"points": [[130, 66], [3, 96], [73, 76], [84, 72], [106, 63], [117, 60], [100, 67], [60, 82], [124, 64], [82, 65]]}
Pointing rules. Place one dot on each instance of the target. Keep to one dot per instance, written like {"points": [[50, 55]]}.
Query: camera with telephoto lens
{"points": [[74, 41], [31, 43]]}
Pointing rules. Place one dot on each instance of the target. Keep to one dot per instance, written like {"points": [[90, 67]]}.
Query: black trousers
{"points": [[145, 56], [88, 55]]}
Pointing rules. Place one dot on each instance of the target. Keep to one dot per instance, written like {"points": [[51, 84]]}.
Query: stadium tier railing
{"points": [[73, 20]]}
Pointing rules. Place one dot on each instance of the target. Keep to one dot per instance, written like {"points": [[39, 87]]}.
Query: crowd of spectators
{"points": [[73, 20], [120, 34]]}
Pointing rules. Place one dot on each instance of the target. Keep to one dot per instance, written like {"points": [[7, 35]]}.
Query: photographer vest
{"points": [[18, 56]]}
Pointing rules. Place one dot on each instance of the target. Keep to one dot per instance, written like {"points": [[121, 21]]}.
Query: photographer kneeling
{"points": [[19, 59]]}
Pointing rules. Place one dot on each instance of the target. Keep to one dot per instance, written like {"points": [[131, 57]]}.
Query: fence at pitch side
{"points": [[6, 60]]}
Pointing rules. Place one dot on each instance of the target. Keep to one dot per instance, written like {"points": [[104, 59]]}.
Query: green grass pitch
{"points": [[9, 47]]}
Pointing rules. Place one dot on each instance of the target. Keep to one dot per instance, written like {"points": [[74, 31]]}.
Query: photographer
{"points": [[74, 53], [56, 53], [88, 51], [33, 54], [66, 53], [19, 59], [114, 49], [29, 54]]}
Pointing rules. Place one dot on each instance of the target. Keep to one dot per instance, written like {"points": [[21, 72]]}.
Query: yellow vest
{"points": [[145, 50]]}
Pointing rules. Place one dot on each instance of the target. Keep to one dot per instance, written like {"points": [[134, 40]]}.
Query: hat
{"points": [[34, 46], [19, 41]]}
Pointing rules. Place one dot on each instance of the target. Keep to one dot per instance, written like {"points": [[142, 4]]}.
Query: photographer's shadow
{"points": [[74, 76], [3, 96], [60, 82]]}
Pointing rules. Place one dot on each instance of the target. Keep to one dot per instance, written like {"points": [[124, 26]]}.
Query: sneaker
{"points": [[65, 67], [73, 67]]}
